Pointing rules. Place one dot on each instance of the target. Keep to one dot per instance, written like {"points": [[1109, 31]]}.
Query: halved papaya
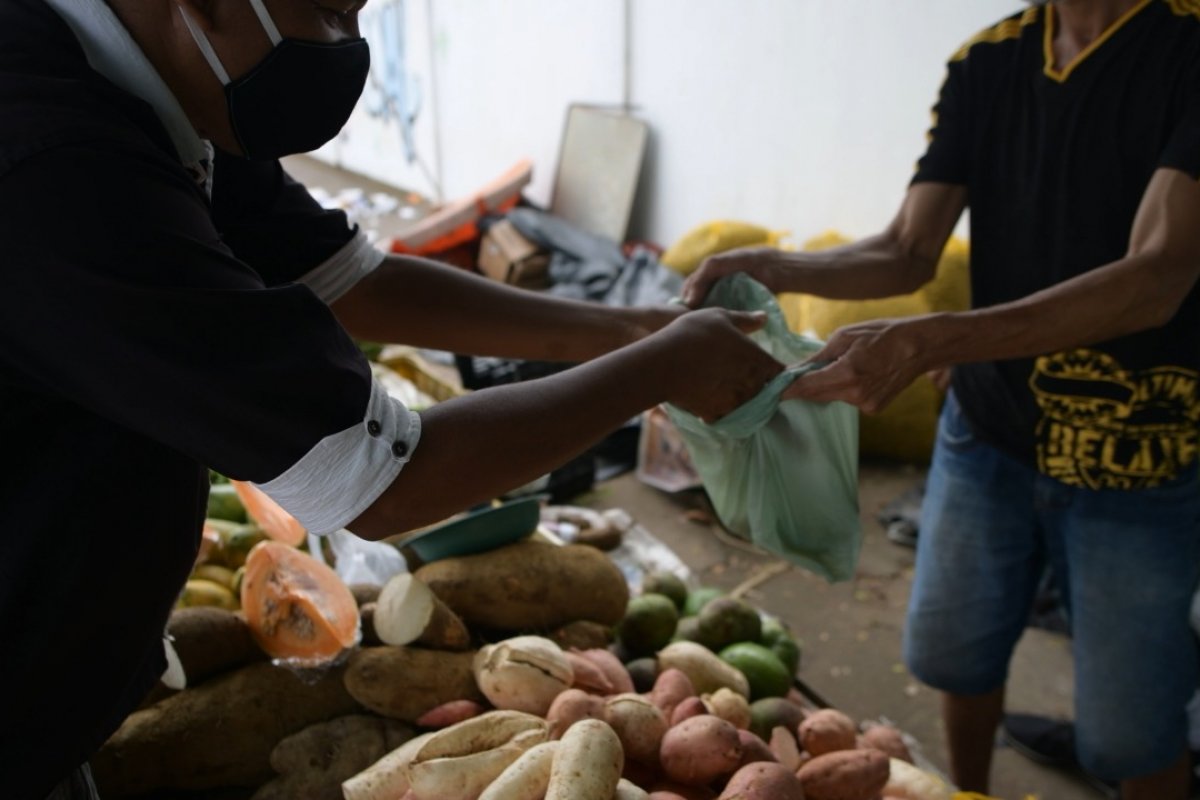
{"points": [[298, 609]]}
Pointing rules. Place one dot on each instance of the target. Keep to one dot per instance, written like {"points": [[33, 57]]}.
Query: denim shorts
{"points": [[1127, 562]]}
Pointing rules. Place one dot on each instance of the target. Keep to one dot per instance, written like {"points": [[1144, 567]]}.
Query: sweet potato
{"points": [[627, 790], [699, 750], [570, 707], [524, 673], [704, 669], [448, 714], [671, 687], [218, 734], [763, 781], [729, 706], [314, 762], [906, 782], [404, 682], [387, 778], [639, 725], [845, 775], [887, 740], [783, 745], [827, 731], [588, 763], [612, 668], [530, 586], [588, 676], [754, 749], [526, 778], [459, 762], [674, 791], [211, 640], [690, 707]]}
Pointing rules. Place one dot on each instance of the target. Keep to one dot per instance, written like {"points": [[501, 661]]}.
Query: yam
{"points": [[582, 634], [219, 734], [845, 775], [314, 762], [530, 586], [210, 641], [408, 611], [405, 682], [588, 763]]}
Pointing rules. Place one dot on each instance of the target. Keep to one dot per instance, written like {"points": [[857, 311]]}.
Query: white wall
{"points": [[797, 114]]}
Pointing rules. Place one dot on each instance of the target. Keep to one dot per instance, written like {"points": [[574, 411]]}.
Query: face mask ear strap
{"points": [[202, 42], [265, 19]]}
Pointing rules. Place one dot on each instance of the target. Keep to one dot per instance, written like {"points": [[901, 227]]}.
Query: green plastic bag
{"points": [[783, 475]]}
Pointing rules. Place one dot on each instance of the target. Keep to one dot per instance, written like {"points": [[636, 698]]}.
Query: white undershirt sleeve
{"points": [[341, 271]]}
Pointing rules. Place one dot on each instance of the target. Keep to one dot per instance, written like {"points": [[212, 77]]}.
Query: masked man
{"points": [[171, 301]]}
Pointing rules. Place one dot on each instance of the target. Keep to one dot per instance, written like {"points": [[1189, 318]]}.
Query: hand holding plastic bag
{"points": [[783, 475]]}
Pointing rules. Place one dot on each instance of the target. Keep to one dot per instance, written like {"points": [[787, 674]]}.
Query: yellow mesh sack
{"points": [[716, 237], [906, 429]]}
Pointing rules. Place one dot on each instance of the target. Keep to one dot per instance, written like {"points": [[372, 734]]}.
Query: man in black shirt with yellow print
{"points": [[1072, 131]]}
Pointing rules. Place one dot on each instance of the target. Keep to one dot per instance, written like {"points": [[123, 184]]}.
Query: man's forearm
{"points": [[426, 304], [1131, 295], [878, 266]]}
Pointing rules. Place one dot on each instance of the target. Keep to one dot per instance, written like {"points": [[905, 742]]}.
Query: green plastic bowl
{"points": [[477, 532]]}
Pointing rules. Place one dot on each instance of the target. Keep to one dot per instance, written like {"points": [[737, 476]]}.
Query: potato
{"points": [[763, 781], [704, 669], [530, 585], [754, 749], [699, 750], [885, 739], [906, 782], [671, 688], [314, 762], [218, 734], [572, 706], [588, 763], [526, 778], [387, 778], [845, 775], [827, 731], [639, 725], [405, 682], [524, 673]]}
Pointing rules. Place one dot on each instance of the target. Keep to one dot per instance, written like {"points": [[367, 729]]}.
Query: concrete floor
{"points": [[851, 631]]}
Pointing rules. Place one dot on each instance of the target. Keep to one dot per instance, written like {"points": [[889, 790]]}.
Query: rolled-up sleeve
{"points": [[119, 296]]}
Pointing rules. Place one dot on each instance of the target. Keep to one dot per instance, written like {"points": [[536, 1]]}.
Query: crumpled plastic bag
{"points": [[782, 475]]}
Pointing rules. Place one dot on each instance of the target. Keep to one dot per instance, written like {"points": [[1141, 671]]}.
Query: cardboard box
{"points": [[507, 256]]}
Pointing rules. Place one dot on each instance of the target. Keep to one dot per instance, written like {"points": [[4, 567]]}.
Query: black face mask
{"points": [[297, 98]]}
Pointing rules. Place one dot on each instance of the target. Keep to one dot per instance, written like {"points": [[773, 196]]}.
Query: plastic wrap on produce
{"points": [[641, 552]]}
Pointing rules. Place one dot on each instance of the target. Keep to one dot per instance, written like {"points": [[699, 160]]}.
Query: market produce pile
{"points": [[522, 673]]}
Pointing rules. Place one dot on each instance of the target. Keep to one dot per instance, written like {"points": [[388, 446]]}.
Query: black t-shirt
{"points": [[145, 334], [1055, 164]]}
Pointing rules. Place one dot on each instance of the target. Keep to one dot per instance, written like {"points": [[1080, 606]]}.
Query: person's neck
{"points": [[1078, 23]]}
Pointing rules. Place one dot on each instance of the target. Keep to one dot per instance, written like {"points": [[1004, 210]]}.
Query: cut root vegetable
{"points": [[408, 611], [298, 609]]}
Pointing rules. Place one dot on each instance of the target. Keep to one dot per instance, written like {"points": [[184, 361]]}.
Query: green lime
{"points": [[788, 652], [223, 503], [725, 621], [668, 584], [648, 625], [698, 598], [767, 675]]}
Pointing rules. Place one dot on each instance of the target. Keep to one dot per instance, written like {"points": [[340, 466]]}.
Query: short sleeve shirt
{"points": [[148, 332], [1055, 162]]}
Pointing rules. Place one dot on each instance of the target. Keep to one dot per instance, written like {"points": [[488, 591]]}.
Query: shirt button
{"points": [[374, 428], [399, 449]]}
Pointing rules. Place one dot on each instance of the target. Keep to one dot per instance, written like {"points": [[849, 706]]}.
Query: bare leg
{"points": [[971, 722], [1171, 783]]}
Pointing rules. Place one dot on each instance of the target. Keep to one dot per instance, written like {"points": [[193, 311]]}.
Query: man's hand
{"points": [[710, 364], [870, 363], [754, 261]]}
